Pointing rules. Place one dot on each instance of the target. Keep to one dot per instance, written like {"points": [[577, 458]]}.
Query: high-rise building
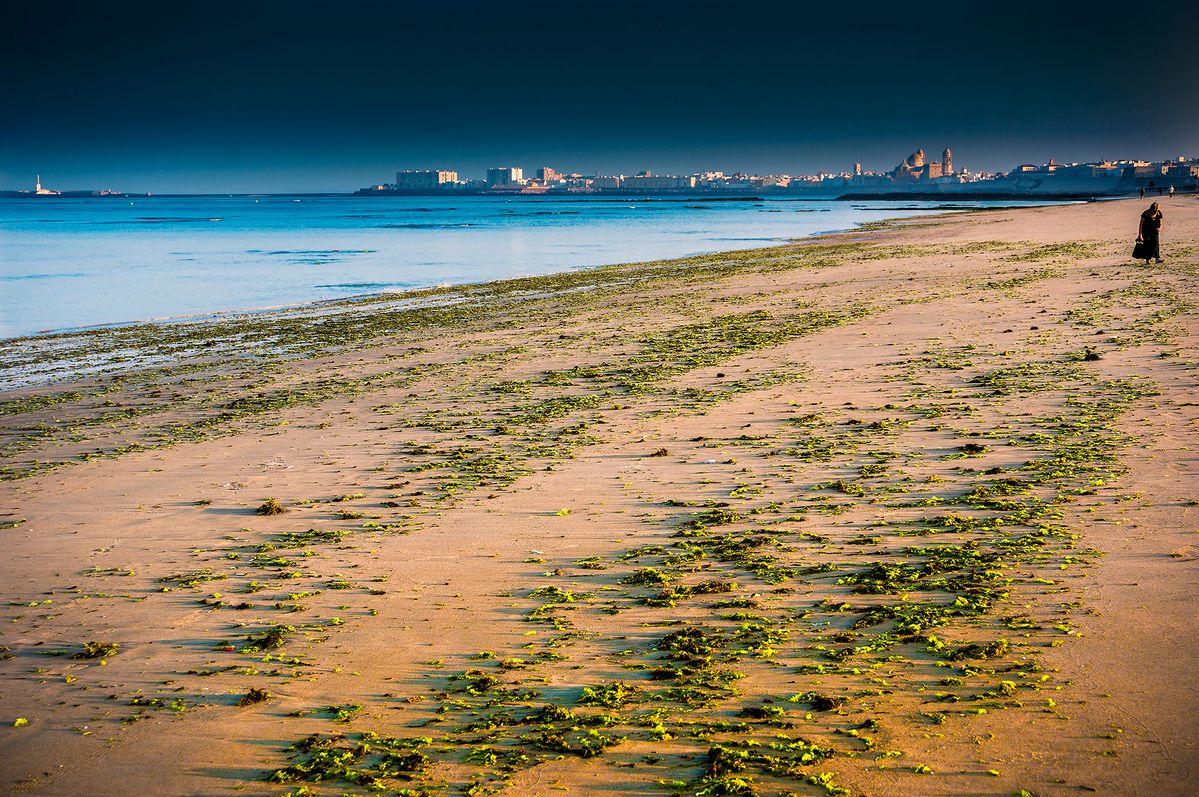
{"points": [[422, 179], [548, 174], [505, 175]]}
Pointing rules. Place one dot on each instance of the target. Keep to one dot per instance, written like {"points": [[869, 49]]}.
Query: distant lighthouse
{"points": [[39, 191]]}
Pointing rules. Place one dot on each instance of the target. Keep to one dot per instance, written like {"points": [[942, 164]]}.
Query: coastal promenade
{"points": [[904, 511]]}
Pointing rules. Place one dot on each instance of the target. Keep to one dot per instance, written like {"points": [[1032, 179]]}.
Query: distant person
{"points": [[1148, 238], [1142, 192], [1171, 192]]}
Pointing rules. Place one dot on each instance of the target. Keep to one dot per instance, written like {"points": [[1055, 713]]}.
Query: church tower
{"points": [[947, 162]]}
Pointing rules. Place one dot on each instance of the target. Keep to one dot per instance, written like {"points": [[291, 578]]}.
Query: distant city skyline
{"points": [[303, 96], [487, 175]]}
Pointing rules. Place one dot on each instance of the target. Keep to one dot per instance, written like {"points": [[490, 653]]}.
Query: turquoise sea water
{"points": [[73, 263]]}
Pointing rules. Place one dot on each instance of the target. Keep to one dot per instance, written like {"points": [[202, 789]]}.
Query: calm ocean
{"points": [[72, 263]]}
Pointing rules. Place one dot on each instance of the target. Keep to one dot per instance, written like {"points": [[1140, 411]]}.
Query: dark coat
{"points": [[1151, 225]]}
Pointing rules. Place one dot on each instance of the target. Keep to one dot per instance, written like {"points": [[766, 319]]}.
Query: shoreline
{"points": [[416, 293], [218, 316], [902, 502]]}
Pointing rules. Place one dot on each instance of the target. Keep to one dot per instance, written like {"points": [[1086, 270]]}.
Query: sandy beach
{"points": [[910, 510]]}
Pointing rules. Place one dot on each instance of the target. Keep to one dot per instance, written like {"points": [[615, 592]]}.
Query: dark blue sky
{"points": [[305, 95]]}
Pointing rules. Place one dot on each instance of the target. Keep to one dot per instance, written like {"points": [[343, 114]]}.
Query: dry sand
{"points": [[978, 426]]}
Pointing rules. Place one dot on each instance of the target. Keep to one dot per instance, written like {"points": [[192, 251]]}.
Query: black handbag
{"points": [[1140, 251]]}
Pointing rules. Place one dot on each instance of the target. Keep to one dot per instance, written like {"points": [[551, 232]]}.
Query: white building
{"points": [[37, 188]]}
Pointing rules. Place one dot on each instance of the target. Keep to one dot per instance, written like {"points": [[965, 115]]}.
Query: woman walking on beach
{"points": [[1148, 244]]}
